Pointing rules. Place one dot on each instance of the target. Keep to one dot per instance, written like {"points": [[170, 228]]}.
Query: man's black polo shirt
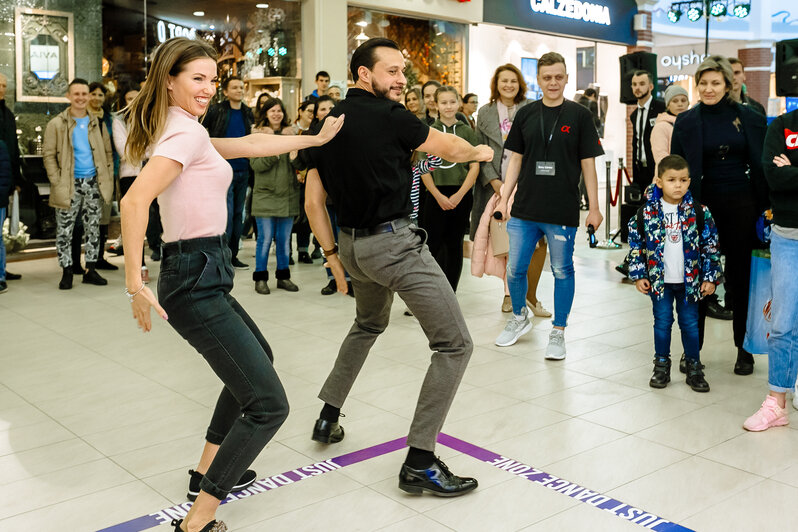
{"points": [[552, 199], [365, 169]]}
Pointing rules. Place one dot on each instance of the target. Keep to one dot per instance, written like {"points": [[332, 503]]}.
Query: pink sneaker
{"points": [[769, 415]]}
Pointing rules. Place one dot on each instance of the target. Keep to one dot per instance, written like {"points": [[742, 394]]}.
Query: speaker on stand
{"points": [[631, 63], [787, 68]]}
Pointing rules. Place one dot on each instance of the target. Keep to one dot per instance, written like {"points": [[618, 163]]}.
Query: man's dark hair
{"points": [[94, 85], [590, 92], [671, 162], [322, 73], [227, 81], [77, 81], [365, 56], [643, 73]]}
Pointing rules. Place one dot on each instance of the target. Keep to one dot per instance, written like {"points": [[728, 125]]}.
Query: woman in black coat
{"points": [[722, 142]]}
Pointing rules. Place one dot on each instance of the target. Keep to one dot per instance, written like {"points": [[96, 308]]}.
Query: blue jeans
{"points": [[2, 246], [783, 339], [279, 230], [524, 236], [236, 198], [687, 313], [194, 288]]}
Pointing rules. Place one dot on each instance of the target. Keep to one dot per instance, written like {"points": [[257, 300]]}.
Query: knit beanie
{"points": [[673, 91]]}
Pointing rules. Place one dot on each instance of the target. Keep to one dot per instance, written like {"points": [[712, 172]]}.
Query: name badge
{"points": [[652, 121], [544, 168]]}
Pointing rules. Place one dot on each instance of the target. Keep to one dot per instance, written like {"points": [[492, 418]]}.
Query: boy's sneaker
{"points": [[770, 414], [195, 478], [556, 348], [516, 327]]}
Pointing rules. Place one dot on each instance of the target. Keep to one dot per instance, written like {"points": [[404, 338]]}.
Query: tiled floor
{"points": [[99, 422]]}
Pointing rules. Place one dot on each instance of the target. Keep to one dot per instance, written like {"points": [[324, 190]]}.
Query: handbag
{"points": [[499, 238]]}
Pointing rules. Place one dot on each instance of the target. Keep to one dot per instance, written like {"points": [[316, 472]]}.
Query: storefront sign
{"points": [[174, 31], [600, 20], [574, 9], [680, 61]]}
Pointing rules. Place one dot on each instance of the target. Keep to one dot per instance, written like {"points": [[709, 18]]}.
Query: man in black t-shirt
{"points": [[551, 142], [366, 171]]}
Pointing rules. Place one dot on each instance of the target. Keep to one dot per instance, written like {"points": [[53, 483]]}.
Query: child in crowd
{"points": [[674, 257]]}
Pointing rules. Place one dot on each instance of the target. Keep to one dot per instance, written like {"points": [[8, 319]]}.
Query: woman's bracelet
{"points": [[134, 294]]}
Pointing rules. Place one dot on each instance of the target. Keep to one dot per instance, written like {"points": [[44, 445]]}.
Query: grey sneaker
{"points": [[556, 348], [516, 327]]}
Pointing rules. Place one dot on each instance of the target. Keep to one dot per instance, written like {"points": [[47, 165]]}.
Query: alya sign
{"points": [[574, 9], [600, 20]]}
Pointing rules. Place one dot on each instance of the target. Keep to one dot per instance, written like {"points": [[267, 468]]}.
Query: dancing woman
{"points": [[188, 173]]}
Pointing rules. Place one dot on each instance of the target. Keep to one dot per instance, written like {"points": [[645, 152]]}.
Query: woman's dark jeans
{"points": [[194, 288]]}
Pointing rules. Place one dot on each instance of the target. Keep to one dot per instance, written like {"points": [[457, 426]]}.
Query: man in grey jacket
{"points": [[79, 163]]}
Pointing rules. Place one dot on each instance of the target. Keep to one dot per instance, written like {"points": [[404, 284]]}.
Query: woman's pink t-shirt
{"points": [[195, 204]]}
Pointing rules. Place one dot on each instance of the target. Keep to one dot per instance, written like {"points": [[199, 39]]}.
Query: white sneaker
{"points": [[795, 398], [516, 327], [538, 310], [556, 348]]}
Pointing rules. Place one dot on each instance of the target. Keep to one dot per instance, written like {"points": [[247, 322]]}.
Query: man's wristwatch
{"points": [[328, 252]]}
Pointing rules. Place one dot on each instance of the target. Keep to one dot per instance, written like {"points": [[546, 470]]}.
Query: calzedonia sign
{"points": [[574, 9], [600, 20]]}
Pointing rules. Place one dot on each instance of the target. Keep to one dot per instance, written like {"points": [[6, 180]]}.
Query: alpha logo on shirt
{"points": [[791, 139], [565, 129]]}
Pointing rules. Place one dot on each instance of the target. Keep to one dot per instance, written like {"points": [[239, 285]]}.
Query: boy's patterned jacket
{"points": [[701, 257]]}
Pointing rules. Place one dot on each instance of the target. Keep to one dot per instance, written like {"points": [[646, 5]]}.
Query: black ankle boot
{"points": [[662, 372], [695, 376], [745, 362], [66, 279]]}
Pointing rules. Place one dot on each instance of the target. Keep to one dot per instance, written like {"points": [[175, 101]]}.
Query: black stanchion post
{"points": [[607, 243]]}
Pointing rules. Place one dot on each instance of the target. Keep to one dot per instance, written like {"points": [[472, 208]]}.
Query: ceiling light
{"points": [[362, 37], [718, 9], [694, 13], [674, 15], [362, 23], [262, 6], [742, 10], [199, 13], [212, 27]]}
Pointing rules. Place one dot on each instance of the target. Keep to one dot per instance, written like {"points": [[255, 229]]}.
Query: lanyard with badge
{"points": [[545, 167]]}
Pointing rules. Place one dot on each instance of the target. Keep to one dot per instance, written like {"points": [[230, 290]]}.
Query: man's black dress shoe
{"points": [[436, 479], [13, 276], [717, 311], [327, 431], [745, 362]]}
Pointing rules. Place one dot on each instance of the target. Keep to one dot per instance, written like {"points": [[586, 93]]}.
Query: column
{"points": [[324, 38], [757, 58]]}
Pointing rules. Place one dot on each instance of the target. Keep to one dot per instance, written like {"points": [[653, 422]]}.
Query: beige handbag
{"points": [[499, 238]]}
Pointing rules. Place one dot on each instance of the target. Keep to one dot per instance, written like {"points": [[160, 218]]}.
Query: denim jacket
{"points": [[701, 256]]}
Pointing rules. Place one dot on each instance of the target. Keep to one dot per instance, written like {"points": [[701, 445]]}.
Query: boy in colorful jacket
{"points": [[671, 261]]}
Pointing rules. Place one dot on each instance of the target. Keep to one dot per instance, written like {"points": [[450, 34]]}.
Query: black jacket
{"points": [[782, 138], [217, 117], [656, 107], [687, 141], [8, 134], [755, 105], [6, 179]]}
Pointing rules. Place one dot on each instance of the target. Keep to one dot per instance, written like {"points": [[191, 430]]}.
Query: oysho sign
{"points": [[573, 9], [681, 61]]}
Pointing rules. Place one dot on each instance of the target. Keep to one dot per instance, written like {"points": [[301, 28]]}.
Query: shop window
{"points": [[585, 67], [433, 49], [260, 45]]}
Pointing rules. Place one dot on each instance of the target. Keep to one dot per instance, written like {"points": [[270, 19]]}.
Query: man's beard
{"points": [[644, 95], [383, 92]]}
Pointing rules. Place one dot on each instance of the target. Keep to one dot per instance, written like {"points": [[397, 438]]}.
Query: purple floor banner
{"points": [[562, 486], [179, 511], [570, 489]]}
